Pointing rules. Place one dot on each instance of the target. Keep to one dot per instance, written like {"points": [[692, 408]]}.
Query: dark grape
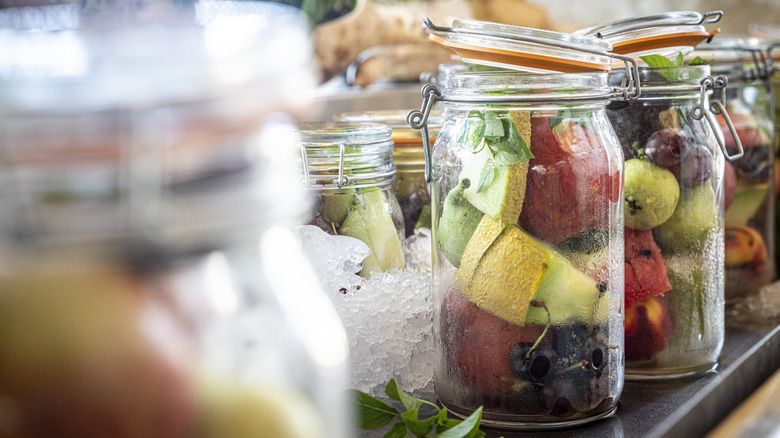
{"points": [[694, 168], [533, 366], [754, 164], [665, 147]]}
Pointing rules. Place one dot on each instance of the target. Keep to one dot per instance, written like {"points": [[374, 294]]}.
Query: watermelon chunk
{"points": [[645, 269]]}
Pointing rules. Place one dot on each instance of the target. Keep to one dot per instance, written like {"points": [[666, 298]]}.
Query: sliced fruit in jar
{"points": [[645, 273], [570, 182], [743, 245], [695, 301], [693, 223], [745, 203], [503, 198], [370, 221], [650, 194], [503, 269], [647, 325], [336, 206], [729, 185], [481, 344], [458, 221]]}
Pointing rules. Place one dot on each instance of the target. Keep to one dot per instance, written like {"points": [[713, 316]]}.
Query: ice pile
{"points": [[388, 318]]}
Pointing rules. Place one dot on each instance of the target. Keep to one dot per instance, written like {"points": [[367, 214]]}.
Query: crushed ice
{"points": [[388, 317]]}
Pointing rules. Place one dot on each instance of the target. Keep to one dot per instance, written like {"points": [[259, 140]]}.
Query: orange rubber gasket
{"points": [[517, 58]]}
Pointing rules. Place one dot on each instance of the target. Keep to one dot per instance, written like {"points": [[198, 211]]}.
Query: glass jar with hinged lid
{"points": [[673, 197], [150, 286], [409, 185], [527, 222], [750, 211], [349, 167]]}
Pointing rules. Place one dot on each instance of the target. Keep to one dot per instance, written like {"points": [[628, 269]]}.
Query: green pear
{"points": [[458, 221]]}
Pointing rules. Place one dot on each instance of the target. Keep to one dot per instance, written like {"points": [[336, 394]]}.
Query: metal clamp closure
{"points": [[342, 180], [708, 109], [418, 119]]}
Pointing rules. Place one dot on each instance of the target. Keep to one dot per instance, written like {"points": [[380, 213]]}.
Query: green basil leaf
{"points": [[657, 61], [467, 428], [519, 146], [699, 61], [493, 125], [560, 122], [415, 426], [678, 61], [395, 393], [486, 176], [370, 413], [507, 158], [474, 131], [398, 431]]}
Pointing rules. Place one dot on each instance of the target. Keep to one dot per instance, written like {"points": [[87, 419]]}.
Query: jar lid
{"points": [[739, 58], [661, 34], [338, 155], [522, 48]]}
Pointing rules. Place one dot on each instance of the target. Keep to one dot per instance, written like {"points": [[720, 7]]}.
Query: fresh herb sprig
{"points": [[372, 414], [664, 62], [500, 136]]}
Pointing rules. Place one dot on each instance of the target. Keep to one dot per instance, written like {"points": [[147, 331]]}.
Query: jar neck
{"points": [[341, 156], [683, 82], [528, 89]]}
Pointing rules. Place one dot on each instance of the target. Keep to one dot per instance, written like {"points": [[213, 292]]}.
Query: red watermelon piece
{"points": [[645, 269], [570, 183]]}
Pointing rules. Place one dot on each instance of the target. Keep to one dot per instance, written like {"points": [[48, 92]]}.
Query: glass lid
{"points": [[522, 48], [661, 34]]}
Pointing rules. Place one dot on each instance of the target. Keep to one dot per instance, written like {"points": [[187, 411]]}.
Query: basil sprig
{"points": [[497, 132], [371, 414]]}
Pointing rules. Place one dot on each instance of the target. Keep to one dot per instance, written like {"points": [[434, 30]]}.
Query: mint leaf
{"points": [[395, 393], [678, 61], [465, 429], [699, 61], [486, 175], [474, 132], [371, 413], [415, 426], [398, 431], [657, 61], [493, 125]]}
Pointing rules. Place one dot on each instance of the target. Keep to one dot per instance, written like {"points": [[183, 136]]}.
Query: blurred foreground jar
{"points": [[148, 285], [349, 169], [750, 213], [528, 228], [409, 185], [674, 223]]}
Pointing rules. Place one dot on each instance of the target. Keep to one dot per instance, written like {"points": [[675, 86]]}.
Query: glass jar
{"points": [[673, 194], [409, 185], [750, 210], [527, 225], [149, 285], [349, 169]]}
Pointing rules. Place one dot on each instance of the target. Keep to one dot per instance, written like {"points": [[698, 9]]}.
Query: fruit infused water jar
{"points": [[750, 210], [672, 197], [149, 286], [673, 201], [349, 170], [528, 232], [409, 185]]}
